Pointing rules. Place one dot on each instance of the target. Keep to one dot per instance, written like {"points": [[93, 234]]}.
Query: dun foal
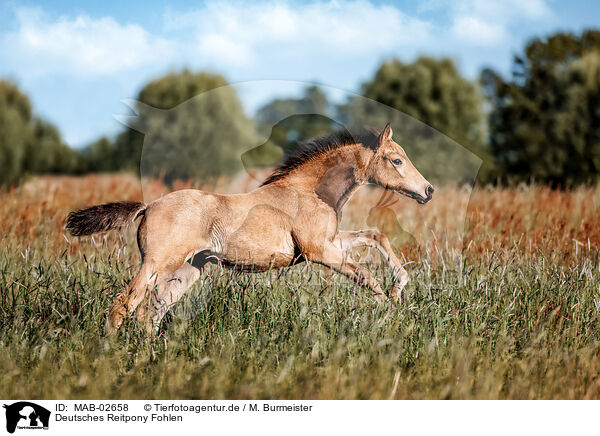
{"points": [[292, 217]]}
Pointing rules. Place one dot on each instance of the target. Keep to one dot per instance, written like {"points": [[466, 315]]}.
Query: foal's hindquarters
{"points": [[167, 235]]}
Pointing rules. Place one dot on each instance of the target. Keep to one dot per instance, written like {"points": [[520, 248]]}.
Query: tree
{"points": [[420, 100], [15, 119], [313, 101], [545, 122], [46, 153], [287, 122], [193, 127], [28, 144], [101, 156]]}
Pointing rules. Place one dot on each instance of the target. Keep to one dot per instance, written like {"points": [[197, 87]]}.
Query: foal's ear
{"points": [[387, 133]]}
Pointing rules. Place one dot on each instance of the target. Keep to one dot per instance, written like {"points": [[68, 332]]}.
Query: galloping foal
{"points": [[293, 216]]}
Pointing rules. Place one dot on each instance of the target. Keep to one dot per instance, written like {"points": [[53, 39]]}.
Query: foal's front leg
{"points": [[334, 257], [347, 240]]}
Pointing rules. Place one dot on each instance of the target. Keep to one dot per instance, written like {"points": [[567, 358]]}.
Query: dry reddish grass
{"points": [[526, 220], [36, 210], [560, 225]]}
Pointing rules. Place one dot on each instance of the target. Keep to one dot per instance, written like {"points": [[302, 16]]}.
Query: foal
{"points": [[292, 217]]}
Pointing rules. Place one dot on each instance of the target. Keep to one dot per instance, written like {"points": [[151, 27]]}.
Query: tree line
{"points": [[540, 124]]}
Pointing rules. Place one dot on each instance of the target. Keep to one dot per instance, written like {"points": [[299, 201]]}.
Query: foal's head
{"points": [[391, 169]]}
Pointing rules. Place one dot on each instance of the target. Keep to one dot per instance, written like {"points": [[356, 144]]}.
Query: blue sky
{"points": [[77, 61]]}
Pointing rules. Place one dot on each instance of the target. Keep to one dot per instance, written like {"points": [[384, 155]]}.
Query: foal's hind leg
{"points": [[129, 299], [164, 296], [158, 302], [147, 279]]}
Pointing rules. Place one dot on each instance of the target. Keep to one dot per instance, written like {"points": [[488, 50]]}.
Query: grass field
{"points": [[503, 302]]}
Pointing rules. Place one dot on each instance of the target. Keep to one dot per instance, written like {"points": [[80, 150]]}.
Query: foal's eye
{"points": [[396, 161]]}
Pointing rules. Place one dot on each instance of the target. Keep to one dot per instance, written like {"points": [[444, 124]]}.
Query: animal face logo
{"points": [[26, 415]]}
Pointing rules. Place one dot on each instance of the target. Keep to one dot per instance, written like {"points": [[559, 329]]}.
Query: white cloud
{"points": [[228, 34], [237, 34], [478, 31], [80, 45], [488, 22]]}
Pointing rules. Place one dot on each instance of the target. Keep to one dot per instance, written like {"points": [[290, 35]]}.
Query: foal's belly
{"points": [[262, 241], [258, 255]]}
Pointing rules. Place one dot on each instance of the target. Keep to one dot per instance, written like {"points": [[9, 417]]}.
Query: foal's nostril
{"points": [[429, 191]]}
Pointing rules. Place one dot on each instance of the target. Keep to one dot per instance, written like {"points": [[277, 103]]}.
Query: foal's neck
{"points": [[335, 175], [336, 186]]}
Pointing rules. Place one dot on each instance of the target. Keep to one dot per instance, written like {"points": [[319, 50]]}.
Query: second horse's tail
{"points": [[103, 217]]}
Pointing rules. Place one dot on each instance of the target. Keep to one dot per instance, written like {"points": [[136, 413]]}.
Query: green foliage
{"points": [[287, 122], [176, 88], [48, 154], [420, 100], [15, 129], [193, 127], [545, 122], [313, 101], [101, 156], [29, 144], [433, 92]]}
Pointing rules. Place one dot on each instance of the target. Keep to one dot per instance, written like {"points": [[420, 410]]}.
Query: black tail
{"points": [[103, 217]]}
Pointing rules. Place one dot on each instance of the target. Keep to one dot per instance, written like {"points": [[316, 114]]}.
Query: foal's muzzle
{"points": [[429, 194], [418, 197]]}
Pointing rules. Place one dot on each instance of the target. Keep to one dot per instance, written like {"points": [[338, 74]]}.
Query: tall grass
{"points": [[503, 302]]}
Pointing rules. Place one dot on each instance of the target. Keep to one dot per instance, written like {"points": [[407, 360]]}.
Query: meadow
{"points": [[503, 303]]}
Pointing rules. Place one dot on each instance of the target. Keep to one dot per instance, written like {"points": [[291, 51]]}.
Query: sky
{"points": [[78, 61]]}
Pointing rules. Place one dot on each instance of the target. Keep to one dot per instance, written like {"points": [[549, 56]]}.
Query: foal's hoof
{"points": [[114, 321], [396, 294], [117, 315], [381, 298], [146, 320]]}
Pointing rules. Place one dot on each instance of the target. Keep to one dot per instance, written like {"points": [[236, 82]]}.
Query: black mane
{"points": [[305, 151]]}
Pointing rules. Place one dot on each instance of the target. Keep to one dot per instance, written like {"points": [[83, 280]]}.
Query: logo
{"points": [[26, 415]]}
